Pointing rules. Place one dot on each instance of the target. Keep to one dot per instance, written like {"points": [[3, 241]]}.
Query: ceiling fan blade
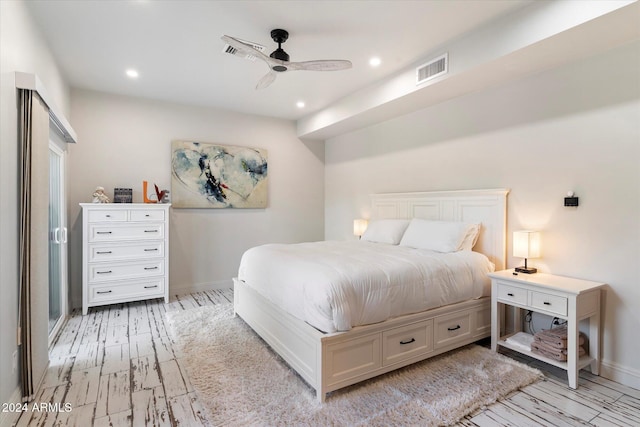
{"points": [[266, 80], [244, 48], [321, 65]]}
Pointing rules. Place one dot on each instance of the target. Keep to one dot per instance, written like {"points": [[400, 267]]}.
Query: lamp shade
{"points": [[359, 226], [526, 244]]}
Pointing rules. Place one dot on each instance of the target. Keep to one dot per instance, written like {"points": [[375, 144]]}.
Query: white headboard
{"points": [[488, 207]]}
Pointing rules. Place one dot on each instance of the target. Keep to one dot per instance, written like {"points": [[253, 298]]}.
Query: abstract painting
{"points": [[217, 176]]}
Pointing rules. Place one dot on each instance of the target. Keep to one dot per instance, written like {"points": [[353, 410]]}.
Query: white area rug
{"points": [[242, 381]]}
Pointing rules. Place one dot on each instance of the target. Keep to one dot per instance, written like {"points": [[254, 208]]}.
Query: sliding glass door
{"points": [[57, 241]]}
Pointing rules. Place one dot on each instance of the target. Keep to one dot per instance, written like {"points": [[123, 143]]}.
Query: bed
{"points": [[332, 347]]}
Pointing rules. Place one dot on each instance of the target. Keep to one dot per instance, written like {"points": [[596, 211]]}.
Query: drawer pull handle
{"points": [[151, 268], [103, 292], [151, 250], [103, 232], [546, 303], [151, 287], [408, 341], [510, 294], [108, 216], [147, 215], [104, 272], [455, 328], [150, 231], [103, 252]]}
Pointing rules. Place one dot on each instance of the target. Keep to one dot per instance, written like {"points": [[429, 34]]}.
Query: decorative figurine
{"points": [[99, 196]]}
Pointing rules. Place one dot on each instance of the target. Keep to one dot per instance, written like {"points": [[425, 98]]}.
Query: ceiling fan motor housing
{"points": [[279, 36]]}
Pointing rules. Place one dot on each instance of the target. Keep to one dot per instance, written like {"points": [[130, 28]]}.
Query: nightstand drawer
{"points": [[512, 294], [550, 303], [399, 344]]}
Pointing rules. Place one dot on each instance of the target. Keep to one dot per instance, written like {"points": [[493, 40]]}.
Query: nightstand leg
{"points": [[572, 353], [594, 343], [495, 325]]}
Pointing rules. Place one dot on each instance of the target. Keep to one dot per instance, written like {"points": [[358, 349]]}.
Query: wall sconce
{"points": [[359, 227], [526, 244]]}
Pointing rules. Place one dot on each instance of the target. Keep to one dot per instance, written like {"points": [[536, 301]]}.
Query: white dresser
{"points": [[125, 253]]}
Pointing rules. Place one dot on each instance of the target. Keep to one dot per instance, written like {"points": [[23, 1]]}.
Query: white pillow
{"points": [[471, 238], [385, 231], [439, 236]]}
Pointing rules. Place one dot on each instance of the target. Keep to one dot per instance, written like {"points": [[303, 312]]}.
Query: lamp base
{"points": [[527, 270]]}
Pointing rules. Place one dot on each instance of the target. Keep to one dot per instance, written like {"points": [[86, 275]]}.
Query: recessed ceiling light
{"points": [[132, 73], [300, 104], [375, 61]]}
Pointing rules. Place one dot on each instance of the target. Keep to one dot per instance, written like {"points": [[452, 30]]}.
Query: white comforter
{"points": [[335, 286]]}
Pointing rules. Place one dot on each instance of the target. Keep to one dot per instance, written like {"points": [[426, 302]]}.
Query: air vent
{"points": [[233, 51], [432, 69]]}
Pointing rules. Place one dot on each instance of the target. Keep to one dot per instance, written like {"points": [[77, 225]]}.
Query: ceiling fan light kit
{"points": [[278, 60]]}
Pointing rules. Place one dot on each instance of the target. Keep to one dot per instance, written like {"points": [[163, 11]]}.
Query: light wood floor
{"points": [[117, 367]]}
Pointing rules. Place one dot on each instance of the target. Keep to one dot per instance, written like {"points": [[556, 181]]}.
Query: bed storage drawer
{"points": [[403, 343], [452, 328], [349, 359]]}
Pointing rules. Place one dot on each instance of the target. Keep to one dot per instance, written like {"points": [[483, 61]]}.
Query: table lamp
{"points": [[526, 244]]}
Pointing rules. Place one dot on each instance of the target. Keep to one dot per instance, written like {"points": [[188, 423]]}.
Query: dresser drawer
{"points": [[107, 215], [125, 251], [106, 233], [146, 215], [452, 328], [512, 294], [125, 270], [129, 291], [406, 342], [551, 303]]}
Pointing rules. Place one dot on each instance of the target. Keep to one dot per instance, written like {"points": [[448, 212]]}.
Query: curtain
{"points": [[33, 138]]}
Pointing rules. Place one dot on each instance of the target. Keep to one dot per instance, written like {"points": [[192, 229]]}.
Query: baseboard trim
{"points": [[10, 419], [620, 374], [200, 287]]}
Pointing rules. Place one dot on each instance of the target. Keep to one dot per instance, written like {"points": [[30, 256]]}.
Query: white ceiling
{"points": [[176, 46]]}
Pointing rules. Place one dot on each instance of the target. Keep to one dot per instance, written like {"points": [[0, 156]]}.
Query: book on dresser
{"points": [[125, 253]]}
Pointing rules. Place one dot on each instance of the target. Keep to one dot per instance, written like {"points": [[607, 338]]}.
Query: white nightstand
{"points": [[556, 296]]}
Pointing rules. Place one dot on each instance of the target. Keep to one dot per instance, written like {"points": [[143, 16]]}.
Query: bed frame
{"points": [[330, 361]]}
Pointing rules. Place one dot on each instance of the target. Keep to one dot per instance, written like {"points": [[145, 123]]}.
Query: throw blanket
{"points": [[551, 352], [556, 337], [552, 343]]}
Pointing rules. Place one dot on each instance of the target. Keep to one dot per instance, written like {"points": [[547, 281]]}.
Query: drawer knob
{"points": [[546, 303], [510, 294], [151, 287], [150, 231], [108, 216], [151, 268], [103, 232], [455, 328], [103, 292], [104, 272], [147, 215], [408, 341]]}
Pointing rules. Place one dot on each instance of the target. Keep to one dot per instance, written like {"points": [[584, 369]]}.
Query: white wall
{"points": [[21, 49], [123, 141], [573, 128]]}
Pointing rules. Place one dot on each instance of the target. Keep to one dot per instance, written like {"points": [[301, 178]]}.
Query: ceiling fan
{"points": [[278, 61]]}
